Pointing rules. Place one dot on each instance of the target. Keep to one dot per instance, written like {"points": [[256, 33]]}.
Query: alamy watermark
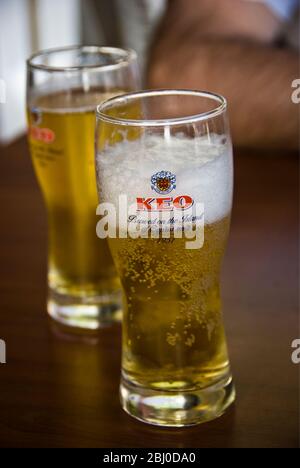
{"points": [[153, 217], [2, 352], [2, 91], [295, 356], [296, 94], [296, 353]]}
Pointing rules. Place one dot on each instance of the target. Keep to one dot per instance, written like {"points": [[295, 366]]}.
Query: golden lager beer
{"points": [[61, 141], [174, 336], [175, 366], [84, 289]]}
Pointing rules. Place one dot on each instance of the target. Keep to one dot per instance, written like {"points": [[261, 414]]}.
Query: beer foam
{"points": [[203, 170]]}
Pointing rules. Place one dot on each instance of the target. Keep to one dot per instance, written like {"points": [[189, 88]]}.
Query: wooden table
{"points": [[62, 391]]}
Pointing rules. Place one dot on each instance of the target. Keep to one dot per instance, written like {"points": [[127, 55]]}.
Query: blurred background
{"points": [[235, 47], [27, 26]]}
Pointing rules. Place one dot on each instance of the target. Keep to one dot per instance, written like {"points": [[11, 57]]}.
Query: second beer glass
{"points": [[63, 88]]}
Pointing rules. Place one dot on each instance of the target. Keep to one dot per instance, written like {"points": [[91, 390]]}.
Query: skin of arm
{"points": [[227, 46]]}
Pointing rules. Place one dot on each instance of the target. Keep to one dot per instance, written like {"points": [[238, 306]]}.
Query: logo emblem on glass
{"points": [[163, 182]]}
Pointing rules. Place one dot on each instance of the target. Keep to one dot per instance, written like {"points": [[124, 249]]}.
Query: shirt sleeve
{"points": [[283, 8]]}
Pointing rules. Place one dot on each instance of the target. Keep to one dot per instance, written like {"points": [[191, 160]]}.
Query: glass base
{"points": [[89, 312], [177, 408]]}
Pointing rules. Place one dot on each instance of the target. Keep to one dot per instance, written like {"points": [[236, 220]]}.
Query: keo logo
{"points": [[182, 202], [42, 134], [163, 182]]}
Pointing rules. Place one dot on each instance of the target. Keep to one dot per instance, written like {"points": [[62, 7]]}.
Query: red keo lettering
{"points": [[42, 134], [182, 202], [145, 204], [164, 204]]}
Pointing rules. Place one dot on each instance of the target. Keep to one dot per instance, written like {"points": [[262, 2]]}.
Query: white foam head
{"points": [[203, 170]]}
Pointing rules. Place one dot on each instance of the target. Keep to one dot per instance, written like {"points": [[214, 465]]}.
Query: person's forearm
{"points": [[256, 80]]}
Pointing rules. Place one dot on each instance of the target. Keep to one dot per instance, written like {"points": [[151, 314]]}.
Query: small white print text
{"points": [[151, 457], [153, 218]]}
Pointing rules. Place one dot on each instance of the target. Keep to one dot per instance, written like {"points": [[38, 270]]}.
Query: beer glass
{"points": [[168, 152], [63, 88]]}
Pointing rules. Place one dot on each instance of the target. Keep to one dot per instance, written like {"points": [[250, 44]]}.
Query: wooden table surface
{"points": [[60, 390]]}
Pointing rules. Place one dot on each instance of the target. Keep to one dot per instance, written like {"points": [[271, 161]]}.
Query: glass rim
{"points": [[128, 56], [109, 103]]}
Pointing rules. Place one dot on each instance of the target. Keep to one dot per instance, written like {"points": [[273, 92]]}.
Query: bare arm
{"points": [[198, 48]]}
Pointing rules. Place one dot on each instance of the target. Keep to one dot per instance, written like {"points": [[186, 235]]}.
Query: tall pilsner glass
{"points": [[63, 88], [165, 174]]}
